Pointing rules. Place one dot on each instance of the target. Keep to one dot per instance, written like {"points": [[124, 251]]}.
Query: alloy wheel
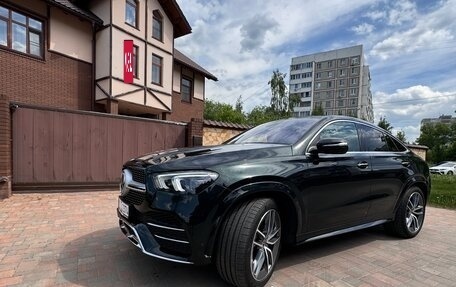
{"points": [[265, 245], [415, 212]]}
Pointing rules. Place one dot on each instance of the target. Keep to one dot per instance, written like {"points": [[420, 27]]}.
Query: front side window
{"points": [[186, 89], [340, 130], [375, 140], [21, 33], [157, 69], [131, 13], [157, 26]]}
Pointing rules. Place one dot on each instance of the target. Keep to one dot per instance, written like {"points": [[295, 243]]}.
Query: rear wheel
{"points": [[409, 215], [249, 243], [450, 172]]}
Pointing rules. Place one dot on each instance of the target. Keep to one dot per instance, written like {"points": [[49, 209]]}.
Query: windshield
{"points": [[277, 132]]}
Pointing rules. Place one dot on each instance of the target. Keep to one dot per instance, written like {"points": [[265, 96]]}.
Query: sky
{"points": [[410, 47]]}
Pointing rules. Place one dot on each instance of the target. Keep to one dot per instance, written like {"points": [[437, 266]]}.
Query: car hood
{"points": [[207, 157]]}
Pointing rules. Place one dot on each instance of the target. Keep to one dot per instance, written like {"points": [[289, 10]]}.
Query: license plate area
{"points": [[124, 208]]}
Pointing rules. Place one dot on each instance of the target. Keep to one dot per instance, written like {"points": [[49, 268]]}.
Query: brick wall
{"points": [[216, 136], [183, 111], [5, 148], [58, 81]]}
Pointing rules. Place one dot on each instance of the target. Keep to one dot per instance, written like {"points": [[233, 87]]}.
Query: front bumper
{"points": [[141, 236]]}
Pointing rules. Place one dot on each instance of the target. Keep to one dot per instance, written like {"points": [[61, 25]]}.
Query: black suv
{"points": [[283, 182]]}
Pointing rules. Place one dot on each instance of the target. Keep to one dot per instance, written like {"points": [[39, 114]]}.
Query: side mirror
{"points": [[331, 146]]}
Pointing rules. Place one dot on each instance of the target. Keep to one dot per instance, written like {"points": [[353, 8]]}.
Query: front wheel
{"points": [[249, 243], [450, 173], [409, 215]]}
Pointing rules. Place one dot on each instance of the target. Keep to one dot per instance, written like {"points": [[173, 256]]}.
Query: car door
{"points": [[336, 188], [391, 166]]}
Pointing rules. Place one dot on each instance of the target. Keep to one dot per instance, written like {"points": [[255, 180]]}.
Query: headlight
{"points": [[191, 181]]}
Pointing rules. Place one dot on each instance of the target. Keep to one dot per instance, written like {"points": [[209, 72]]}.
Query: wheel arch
{"points": [[285, 197], [418, 181]]}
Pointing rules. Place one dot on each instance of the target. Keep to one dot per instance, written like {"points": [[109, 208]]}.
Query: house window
{"points": [[341, 93], [135, 61], [354, 71], [330, 64], [341, 83], [342, 72], [329, 84], [328, 104], [131, 13], [330, 74], [157, 26], [318, 65], [353, 92], [340, 103], [21, 33], [157, 65], [186, 89], [353, 81]]}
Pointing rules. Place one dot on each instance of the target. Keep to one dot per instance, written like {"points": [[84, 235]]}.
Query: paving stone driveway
{"points": [[72, 239]]}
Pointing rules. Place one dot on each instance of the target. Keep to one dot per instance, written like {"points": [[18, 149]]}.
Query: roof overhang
{"points": [[72, 8], [177, 17], [180, 58]]}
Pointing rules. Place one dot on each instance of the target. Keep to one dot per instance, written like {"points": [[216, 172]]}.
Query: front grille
{"points": [[139, 175], [134, 197]]}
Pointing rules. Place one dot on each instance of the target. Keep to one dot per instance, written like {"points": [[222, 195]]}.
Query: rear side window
{"points": [[375, 140], [340, 130]]}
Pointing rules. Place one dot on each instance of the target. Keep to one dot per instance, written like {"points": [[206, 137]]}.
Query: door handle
{"points": [[405, 163], [363, 165]]}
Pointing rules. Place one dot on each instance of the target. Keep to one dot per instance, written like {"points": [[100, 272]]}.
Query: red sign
{"points": [[128, 61]]}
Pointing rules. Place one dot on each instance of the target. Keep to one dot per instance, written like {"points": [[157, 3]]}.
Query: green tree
{"points": [[318, 111], [401, 136], [260, 115], [223, 112], [279, 94], [441, 140], [384, 124], [239, 105]]}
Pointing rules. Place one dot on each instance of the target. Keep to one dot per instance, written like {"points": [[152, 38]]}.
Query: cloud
{"points": [[363, 29], [430, 31], [253, 32], [376, 15], [403, 11], [405, 108]]}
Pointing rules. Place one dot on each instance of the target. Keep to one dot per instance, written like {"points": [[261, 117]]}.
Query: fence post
{"points": [[5, 148], [195, 132]]}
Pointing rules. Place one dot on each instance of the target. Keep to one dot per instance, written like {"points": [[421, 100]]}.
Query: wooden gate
{"points": [[58, 149]]}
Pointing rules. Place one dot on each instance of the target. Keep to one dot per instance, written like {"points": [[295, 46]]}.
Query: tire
{"points": [[409, 215], [450, 173], [251, 233]]}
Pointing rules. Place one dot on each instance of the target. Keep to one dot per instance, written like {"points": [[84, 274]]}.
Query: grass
{"points": [[443, 192]]}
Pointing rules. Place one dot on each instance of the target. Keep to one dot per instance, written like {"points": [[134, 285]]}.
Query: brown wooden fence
{"points": [[55, 148]]}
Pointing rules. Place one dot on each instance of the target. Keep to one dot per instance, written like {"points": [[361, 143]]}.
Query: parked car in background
{"points": [[284, 182], [448, 167]]}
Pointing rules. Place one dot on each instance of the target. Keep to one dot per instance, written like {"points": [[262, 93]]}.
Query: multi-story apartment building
{"points": [[337, 81], [443, 119], [70, 54]]}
